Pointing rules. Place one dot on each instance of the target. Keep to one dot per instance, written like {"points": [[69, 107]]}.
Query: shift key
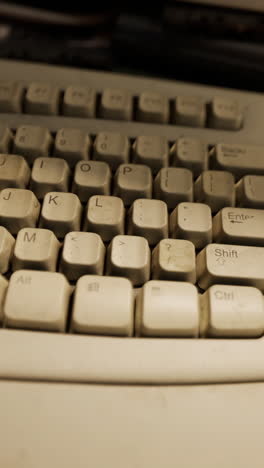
{"points": [[230, 264], [239, 226]]}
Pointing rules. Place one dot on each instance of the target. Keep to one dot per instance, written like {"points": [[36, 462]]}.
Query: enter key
{"points": [[239, 226]]}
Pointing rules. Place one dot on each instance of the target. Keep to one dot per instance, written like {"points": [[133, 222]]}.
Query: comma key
{"points": [[230, 264]]}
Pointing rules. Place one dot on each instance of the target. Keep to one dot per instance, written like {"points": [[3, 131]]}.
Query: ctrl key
{"points": [[229, 311], [37, 300]]}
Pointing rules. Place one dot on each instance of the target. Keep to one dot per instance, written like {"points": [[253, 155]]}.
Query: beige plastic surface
{"points": [[74, 358], [65, 426]]}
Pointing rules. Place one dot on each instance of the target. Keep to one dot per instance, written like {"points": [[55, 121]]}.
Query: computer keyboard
{"points": [[131, 228]]}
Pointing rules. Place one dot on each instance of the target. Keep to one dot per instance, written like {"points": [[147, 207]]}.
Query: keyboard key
{"points": [[238, 159], [14, 171], [192, 221], [19, 208], [112, 148], [105, 215], [216, 189], [103, 306], [174, 185], [11, 95], [230, 264], [129, 256], [79, 101], [61, 213], [7, 243], [3, 289], [42, 98], [36, 249], [174, 260], [37, 300], [72, 145], [83, 253], [116, 104], [225, 114], [133, 181], [242, 226], [250, 192], [6, 137], [152, 151], [49, 174], [169, 309], [190, 153], [149, 219], [91, 178], [32, 142], [189, 111], [152, 107], [232, 312]]}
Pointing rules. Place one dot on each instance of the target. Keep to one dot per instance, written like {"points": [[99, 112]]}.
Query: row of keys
{"points": [[105, 306], [118, 104], [106, 215], [74, 145], [131, 256], [173, 185]]}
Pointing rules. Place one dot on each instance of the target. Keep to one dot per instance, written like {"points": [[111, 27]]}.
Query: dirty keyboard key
{"points": [[11, 96], [230, 264], [105, 215], [225, 114], [61, 213], [112, 148], [103, 306], [129, 256], [32, 142], [6, 138], [152, 151], [174, 185], [190, 153], [42, 98], [79, 101], [7, 243], [193, 222], [149, 219], [72, 145], [49, 174], [133, 181], [14, 171], [83, 253], [116, 104], [189, 111], [232, 312], [37, 300], [250, 191], [238, 159], [152, 107], [216, 189], [19, 208], [3, 290], [243, 226], [91, 178], [167, 309], [174, 259], [36, 249]]}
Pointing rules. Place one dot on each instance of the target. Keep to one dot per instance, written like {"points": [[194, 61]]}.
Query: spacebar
{"points": [[29, 355]]}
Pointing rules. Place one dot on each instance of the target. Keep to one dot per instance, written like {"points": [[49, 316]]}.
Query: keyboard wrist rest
{"points": [[29, 355]]}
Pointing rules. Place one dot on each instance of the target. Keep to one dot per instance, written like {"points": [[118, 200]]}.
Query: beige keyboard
{"points": [[131, 229]]}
